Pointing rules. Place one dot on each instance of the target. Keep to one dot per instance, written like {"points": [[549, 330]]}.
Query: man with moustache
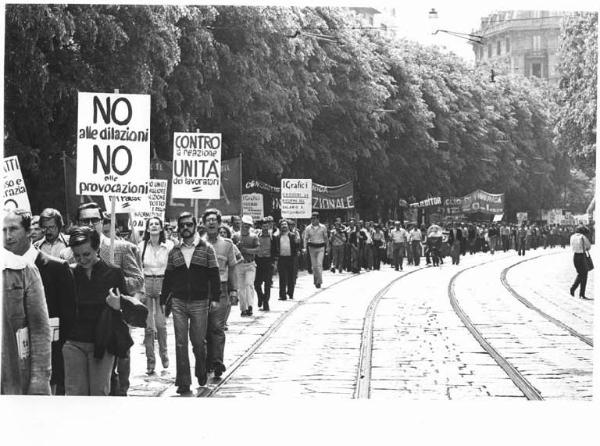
{"points": [[54, 241], [192, 284]]}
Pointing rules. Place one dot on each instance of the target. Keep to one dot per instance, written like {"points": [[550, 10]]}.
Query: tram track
{"points": [[533, 307], [210, 391]]}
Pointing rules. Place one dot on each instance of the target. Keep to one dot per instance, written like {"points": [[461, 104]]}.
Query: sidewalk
{"points": [[243, 332]]}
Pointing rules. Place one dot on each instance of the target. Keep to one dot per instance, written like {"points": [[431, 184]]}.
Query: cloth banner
{"points": [[481, 201]]}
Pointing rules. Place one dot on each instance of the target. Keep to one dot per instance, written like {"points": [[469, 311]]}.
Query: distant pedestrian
{"points": [[315, 242], [580, 245], [247, 243]]}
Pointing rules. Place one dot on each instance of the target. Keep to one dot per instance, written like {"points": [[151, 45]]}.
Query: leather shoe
{"points": [[282, 298], [572, 291], [202, 379], [585, 298], [219, 369]]}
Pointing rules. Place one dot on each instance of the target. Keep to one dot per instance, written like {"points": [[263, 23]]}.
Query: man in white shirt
{"points": [[316, 240], [399, 238]]}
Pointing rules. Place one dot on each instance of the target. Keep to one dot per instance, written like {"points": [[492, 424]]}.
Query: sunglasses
{"points": [[187, 224], [87, 221]]}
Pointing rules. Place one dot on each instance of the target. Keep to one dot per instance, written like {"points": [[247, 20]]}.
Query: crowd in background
{"points": [[74, 294]]}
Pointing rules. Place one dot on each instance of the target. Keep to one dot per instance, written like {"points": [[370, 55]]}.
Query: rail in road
{"points": [[538, 310], [210, 390], [515, 373]]}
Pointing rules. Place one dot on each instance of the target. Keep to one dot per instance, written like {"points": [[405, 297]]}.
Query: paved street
{"points": [[311, 346]]}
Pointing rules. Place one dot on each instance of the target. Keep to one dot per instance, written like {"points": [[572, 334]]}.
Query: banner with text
{"points": [[196, 166], [15, 192], [296, 198], [113, 144], [481, 201], [229, 203], [253, 205]]}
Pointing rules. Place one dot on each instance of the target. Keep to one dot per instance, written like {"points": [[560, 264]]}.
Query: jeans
{"points": [[287, 278], [337, 253], [190, 317], [155, 324], [415, 246], [215, 333], [398, 253], [316, 260], [505, 243], [264, 275], [492, 243], [84, 374], [119, 380], [354, 259], [247, 272], [582, 273]]}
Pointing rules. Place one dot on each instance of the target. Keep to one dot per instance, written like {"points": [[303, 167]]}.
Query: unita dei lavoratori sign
{"points": [[15, 193], [296, 198], [113, 144], [196, 166], [253, 205]]}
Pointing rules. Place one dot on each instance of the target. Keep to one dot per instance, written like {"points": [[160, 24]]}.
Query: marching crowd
{"points": [[70, 295]]}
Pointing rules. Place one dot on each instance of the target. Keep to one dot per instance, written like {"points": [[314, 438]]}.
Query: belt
{"points": [[160, 276], [316, 245]]}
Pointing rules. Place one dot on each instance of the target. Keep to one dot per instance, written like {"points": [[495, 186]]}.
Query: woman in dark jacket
{"points": [[98, 287]]}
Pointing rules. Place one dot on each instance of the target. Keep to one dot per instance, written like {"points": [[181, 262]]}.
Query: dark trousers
{"points": [[215, 330], [415, 246], [505, 243], [582, 273], [57, 381], [287, 276], [522, 245], [119, 380], [264, 275]]}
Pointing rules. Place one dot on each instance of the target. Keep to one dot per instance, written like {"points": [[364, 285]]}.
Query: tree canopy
{"points": [[301, 92]]}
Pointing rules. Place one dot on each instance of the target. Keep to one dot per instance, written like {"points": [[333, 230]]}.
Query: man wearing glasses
{"points": [[54, 242], [315, 239], [191, 280], [126, 258]]}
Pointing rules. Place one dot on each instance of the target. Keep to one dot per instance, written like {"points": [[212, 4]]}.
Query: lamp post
{"points": [[475, 38]]}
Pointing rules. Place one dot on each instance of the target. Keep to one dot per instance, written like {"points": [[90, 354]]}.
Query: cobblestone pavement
{"points": [[558, 364], [421, 348]]}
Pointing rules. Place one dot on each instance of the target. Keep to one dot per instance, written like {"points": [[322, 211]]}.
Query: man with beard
{"points": [[51, 224], [192, 284]]}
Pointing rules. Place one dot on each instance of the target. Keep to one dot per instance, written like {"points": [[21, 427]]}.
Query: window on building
{"points": [[498, 48], [536, 69], [508, 45], [490, 50], [537, 43]]}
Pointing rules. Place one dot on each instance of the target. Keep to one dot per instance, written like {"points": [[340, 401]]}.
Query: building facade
{"points": [[521, 42]]}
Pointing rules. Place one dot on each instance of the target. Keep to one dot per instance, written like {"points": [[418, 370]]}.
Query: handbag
{"points": [[588, 260]]}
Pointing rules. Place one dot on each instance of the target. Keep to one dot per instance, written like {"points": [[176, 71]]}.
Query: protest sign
{"points": [[481, 201], [15, 192], [113, 144], [196, 165], [521, 217], [296, 198], [252, 204], [153, 205]]}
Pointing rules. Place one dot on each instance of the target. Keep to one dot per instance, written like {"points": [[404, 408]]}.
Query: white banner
{"points": [[155, 204], [113, 144], [196, 166], [296, 198], [521, 217], [15, 192], [253, 205]]}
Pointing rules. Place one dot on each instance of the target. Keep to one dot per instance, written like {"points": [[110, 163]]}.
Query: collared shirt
{"points": [[580, 243], [285, 247], [55, 248], [155, 259], [264, 246], [315, 234], [226, 257], [415, 235], [399, 235], [188, 250], [30, 255]]}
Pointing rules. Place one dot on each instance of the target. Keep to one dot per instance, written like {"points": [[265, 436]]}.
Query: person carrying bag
{"points": [[582, 260]]}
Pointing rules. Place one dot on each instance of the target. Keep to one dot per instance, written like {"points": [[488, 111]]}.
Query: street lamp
{"points": [[475, 38]]}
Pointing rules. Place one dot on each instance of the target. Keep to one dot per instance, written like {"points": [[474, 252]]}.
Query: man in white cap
{"points": [[247, 243]]}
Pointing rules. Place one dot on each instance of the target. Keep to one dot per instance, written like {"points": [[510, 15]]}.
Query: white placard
{"points": [[296, 198], [521, 217], [253, 205], [15, 192], [154, 205], [113, 144], [126, 204], [196, 166]]}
